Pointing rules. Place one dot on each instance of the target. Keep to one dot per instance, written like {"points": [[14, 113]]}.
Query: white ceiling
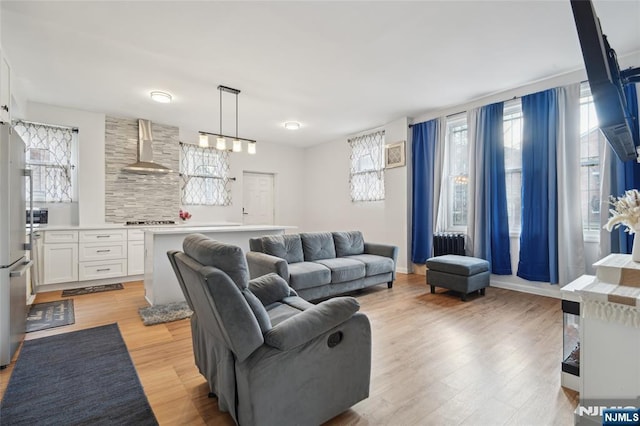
{"points": [[336, 67]]}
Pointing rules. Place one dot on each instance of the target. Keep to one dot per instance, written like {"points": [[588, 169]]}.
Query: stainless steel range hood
{"points": [[145, 164]]}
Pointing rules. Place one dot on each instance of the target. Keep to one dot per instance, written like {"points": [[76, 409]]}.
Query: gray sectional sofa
{"points": [[323, 264]]}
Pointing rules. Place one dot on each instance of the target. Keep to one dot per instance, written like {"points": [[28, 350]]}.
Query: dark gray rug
{"points": [[84, 377], [50, 314], [158, 314], [93, 289]]}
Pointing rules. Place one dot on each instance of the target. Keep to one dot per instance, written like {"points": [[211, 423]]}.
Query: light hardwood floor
{"points": [[436, 360]]}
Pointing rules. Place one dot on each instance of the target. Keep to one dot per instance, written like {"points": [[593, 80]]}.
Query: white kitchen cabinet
{"points": [[60, 262], [135, 258], [90, 252], [103, 254], [54, 237], [5, 90], [102, 269], [103, 236], [135, 251]]}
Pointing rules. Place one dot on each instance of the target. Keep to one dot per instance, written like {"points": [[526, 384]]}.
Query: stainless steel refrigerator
{"points": [[13, 245]]}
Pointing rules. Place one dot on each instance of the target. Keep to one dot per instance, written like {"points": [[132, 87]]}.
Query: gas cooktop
{"points": [[150, 222]]}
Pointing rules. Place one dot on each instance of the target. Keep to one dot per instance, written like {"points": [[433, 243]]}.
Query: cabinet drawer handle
{"points": [[103, 270], [103, 236], [103, 251]]}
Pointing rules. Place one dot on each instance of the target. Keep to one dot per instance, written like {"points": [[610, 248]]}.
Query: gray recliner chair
{"points": [[271, 357]]}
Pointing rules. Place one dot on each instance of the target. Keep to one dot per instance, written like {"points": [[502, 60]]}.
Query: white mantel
{"points": [[615, 294], [610, 332]]}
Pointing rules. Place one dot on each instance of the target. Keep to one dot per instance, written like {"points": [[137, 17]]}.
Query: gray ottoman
{"points": [[463, 274]]}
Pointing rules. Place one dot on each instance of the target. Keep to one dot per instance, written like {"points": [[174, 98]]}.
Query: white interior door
{"points": [[258, 198]]}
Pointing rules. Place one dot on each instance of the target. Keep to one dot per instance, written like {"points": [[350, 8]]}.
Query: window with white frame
{"points": [[205, 175], [48, 154], [457, 173], [367, 167], [512, 127], [590, 140]]}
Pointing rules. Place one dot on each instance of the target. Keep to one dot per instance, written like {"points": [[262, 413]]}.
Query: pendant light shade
{"points": [[221, 143], [203, 141], [237, 145], [251, 147]]}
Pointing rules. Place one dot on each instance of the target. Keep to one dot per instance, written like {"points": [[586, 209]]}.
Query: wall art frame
{"points": [[395, 155]]}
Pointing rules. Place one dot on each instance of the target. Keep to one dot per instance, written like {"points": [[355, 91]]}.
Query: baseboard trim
{"points": [[80, 284], [540, 289]]}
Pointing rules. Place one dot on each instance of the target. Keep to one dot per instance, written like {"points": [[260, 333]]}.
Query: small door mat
{"points": [[158, 314], [50, 314], [89, 290]]}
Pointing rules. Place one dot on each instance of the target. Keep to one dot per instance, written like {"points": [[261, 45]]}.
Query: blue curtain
{"points": [[491, 217], [539, 231], [425, 137], [625, 175]]}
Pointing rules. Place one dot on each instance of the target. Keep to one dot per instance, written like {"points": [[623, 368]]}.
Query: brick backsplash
{"points": [[131, 196]]}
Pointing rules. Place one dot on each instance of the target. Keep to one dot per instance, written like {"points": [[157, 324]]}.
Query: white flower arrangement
{"points": [[625, 211]]}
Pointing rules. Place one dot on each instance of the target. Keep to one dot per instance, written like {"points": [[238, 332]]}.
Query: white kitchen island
{"points": [[160, 282]]}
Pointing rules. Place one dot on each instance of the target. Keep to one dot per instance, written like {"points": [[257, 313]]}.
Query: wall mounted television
{"points": [[606, 82]]}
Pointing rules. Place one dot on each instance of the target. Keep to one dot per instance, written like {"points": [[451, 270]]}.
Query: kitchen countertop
{"points": [[165, 230], [123, 226]]}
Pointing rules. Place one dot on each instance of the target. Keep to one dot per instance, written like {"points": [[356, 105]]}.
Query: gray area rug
{"points": [[83, 377], [157, 314], [90, 290], [50, 314]]}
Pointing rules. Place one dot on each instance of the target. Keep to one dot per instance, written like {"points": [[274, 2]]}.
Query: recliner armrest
{"points": [[262, 264], [311, 323]]}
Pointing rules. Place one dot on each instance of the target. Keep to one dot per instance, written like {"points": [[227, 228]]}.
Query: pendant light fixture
{"points": [[221, 139]]}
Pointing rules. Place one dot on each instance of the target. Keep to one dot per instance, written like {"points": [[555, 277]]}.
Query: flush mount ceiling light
{"points": [[162, 97], [221, 139], [292, 125]]}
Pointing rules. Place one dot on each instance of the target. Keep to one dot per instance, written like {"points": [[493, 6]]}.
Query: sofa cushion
{"points": [[348, 243], [226, 257], [374, 264], [255, 244], [308, 274], [288, 247], [279, 312], [458, 265], [318, 245], [343, 269]]}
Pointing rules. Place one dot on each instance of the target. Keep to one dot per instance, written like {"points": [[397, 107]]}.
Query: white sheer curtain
{"points": [[475, 191], [571, 263], [438, 170], [605, 153]]}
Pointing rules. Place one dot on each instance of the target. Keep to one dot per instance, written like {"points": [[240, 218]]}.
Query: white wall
{"points": [[286, 163], [89, 208], [328, 205]]}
